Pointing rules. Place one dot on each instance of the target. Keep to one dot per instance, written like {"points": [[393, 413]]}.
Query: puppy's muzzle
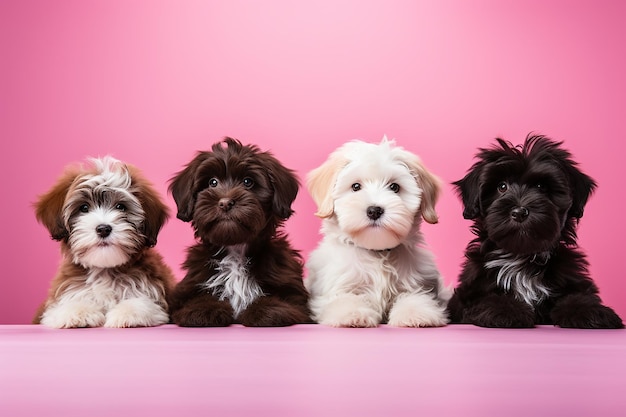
{"points": [[103, 230], [519, 214], [374, 212], [226, 204]]}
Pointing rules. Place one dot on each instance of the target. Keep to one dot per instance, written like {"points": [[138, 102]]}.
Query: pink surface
{"points": [[311, 370], [151, 82]]}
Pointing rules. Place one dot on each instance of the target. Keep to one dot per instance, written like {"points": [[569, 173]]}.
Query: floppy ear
{"points": [[285, 185], [582, 187], [468, 189], [320, 183], [428, 182], [49, 206], [183, 187], [156, 212]]}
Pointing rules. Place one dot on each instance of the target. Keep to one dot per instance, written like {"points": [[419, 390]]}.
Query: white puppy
{"points": [[371, 266]]}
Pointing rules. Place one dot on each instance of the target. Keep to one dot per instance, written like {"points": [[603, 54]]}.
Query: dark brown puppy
{"points": [[243, 269]]}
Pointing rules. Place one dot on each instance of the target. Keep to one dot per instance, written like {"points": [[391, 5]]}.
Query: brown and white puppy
{"points": [[243, 269], [107, 218]]}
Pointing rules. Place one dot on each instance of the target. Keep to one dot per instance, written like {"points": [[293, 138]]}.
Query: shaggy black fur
{"points": [[524, 267]]}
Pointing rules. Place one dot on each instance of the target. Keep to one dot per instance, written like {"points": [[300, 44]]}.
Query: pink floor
{"points": [[310, 370]]}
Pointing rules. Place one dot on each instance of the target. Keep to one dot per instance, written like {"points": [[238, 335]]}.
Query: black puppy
{"points": [[524, 267], [243, 269]]}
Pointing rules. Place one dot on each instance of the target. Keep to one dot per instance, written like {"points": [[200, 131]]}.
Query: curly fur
{"points": [[243, 269], [524, 267], [371, 266], [107, 218]]}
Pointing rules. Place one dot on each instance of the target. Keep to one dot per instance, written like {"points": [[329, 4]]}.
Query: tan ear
{"points": [[430, 185], [320, 183], [49, 206]]}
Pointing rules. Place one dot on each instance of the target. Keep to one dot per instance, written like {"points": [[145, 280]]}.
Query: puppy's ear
{"points": [[49, 206], [156, 212], [284, 183], [321, 181], [183, 187], [582, 187], [468, 189], [428, 182]]}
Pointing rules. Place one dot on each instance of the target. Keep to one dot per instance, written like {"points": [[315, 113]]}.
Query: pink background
{"points": [[152, 82]]}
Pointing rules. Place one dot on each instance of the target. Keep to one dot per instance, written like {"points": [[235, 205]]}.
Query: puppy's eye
{"points": [[213, 182], [394, 187], [248, 182], [120, 207], [503, 186], [356, 186], [540, 186], [84, 208]]}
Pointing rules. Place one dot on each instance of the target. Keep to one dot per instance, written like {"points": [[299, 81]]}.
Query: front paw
{"points": [[273, 312], [582, 312], [65, 316], [417, 310], [500, 311], [219, 316], [349, 312], [136, 312]]}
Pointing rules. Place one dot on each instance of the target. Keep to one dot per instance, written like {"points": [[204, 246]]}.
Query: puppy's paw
{"points": [[203, 317], [500, 311], [362, 317], [349, 312], [271, 312], [136, 312], [584, 312], [417, 310], [69, 315]]}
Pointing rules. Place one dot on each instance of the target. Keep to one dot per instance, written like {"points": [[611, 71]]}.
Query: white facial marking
{"points": [[104, 199]]}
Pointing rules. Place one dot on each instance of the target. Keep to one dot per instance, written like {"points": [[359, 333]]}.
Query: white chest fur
{"points": [[520, 276], [106, 287], [232, 280], [107, 297]]}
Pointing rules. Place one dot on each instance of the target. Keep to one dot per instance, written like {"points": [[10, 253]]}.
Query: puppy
{"points": [[371, 266], [524, 267], [107, 218], [243, 269]]}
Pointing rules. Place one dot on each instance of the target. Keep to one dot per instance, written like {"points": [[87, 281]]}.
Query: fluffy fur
{"points": [[524, 266], [371, 266], [107, 218], [243, 269]]}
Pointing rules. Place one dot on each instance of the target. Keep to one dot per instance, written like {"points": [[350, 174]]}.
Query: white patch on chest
{"points": [[516, 274], [232, 280], [107, 287]]}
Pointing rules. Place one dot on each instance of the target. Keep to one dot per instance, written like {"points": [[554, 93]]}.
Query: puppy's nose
{"points": [[519, 214], [103, 230], [374, 212], [226, 203]]}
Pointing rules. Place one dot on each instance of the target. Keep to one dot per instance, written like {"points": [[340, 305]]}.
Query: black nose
{"points": [[519, 214], [374, 212], [103, 230], [226, 203]]}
